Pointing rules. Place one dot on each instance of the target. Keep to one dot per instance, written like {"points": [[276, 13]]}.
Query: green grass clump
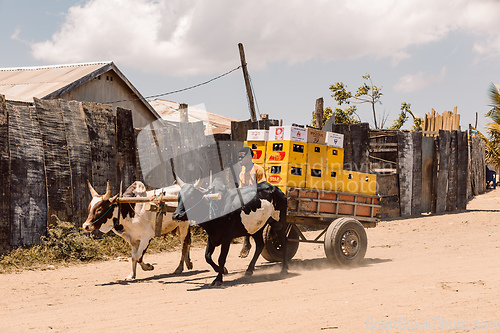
{"points": [[67, 244]]}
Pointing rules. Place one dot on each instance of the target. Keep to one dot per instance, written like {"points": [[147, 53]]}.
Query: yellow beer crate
{"points": [[335, 158], [350, 181], [316, 155], [286, 152], [367, 183], [315, 176], [333, 180], [286, 175], [259, 151], [341, 181]]}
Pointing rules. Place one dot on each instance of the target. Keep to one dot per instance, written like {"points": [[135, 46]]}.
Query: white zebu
{"points": [[135, 223]]}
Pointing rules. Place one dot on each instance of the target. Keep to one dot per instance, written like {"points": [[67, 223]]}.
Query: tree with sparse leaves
{"points": [[341, 116], [367, 93], [403, 117]]}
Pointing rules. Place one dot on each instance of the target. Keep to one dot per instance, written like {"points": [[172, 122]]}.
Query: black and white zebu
{"points": [[135, 223], [235, 215]]}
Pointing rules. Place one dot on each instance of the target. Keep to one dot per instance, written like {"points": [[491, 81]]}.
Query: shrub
{"points": [[66, 243]]}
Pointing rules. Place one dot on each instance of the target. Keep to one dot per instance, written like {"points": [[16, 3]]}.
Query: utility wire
{"points": [[180, 90], [254, 95]]}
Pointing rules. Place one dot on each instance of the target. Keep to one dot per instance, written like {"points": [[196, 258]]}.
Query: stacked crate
{"points": [[286, 157], [257, 141], [335, 180], [306, 158], [316, 159]]}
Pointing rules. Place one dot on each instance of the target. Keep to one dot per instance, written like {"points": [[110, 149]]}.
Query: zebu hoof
{"points": [[248, 273], [216, 283], [130, 277], [189, 265], [147, 267], [244, 252], [225, 271]]}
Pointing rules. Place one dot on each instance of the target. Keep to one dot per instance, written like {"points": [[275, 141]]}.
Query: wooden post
{"points": [[462, 171], [77, 136], [451, 200], [416, 199], [405, 171], [247, 82], [442, 178], [56, 159], [319, 113], [5, 179]]}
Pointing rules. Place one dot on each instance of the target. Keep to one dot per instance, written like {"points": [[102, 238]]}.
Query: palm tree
{"points": [[493, 128]]}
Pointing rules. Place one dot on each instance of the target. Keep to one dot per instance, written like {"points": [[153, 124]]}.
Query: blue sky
{"points": [[430, 53]]}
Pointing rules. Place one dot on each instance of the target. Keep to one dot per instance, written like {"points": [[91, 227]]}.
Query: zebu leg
{"points": [[184, 231], [135, 247], [145, 266], [208, 257], [284, 240], [245, 249], [259, 245], [222, 262], [209, 250], [139, 247]]}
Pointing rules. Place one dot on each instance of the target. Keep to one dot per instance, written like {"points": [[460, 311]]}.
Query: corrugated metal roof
{"points": [[24, 83], [215, 124]]}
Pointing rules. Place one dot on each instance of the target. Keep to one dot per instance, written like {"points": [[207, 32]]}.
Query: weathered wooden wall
{"points": [[28, 196], [434, 174], [410, 172], [48, 151], [4, 178], [356, 146], [477, 166], [79, 156]]}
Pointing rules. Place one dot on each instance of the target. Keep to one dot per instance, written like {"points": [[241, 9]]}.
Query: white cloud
{"points": [[420, 81], [181, 37]]}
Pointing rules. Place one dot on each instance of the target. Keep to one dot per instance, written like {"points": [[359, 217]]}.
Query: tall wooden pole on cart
{"points": [[247, 82]]}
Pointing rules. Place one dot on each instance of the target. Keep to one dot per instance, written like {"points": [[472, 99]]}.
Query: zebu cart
{"points": [[342, 217]]}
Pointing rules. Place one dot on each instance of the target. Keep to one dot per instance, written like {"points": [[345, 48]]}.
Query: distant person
{"points": [[251, 173]]}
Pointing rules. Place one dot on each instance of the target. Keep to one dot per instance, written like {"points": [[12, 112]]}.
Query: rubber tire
{"points": [[272, 251], [333, 241]]}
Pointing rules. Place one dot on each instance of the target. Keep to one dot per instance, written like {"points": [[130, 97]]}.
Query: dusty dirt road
{"points": [[433, 273]]}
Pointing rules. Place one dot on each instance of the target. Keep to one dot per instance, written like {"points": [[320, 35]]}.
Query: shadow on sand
{"points": [[266, 272]]}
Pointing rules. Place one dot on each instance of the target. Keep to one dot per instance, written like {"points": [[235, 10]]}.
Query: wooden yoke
{"points": [[157, 204]]}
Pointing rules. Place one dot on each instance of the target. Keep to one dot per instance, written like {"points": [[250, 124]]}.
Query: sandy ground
{"points": [[433, 273]]}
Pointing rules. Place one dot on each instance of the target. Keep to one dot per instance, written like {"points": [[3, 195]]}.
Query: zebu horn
{"points": [[197, 184], [180, 181], [92, 191], [108, 191]]}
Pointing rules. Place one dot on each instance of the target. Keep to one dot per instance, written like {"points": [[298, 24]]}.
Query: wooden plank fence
{"points": [[28, 201], [419, 174], [434, 122], [50, 150], [5, 225]]}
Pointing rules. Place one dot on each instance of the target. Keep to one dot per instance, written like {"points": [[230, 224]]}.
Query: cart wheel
{"points": [[272, 246], [345, 241]]}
